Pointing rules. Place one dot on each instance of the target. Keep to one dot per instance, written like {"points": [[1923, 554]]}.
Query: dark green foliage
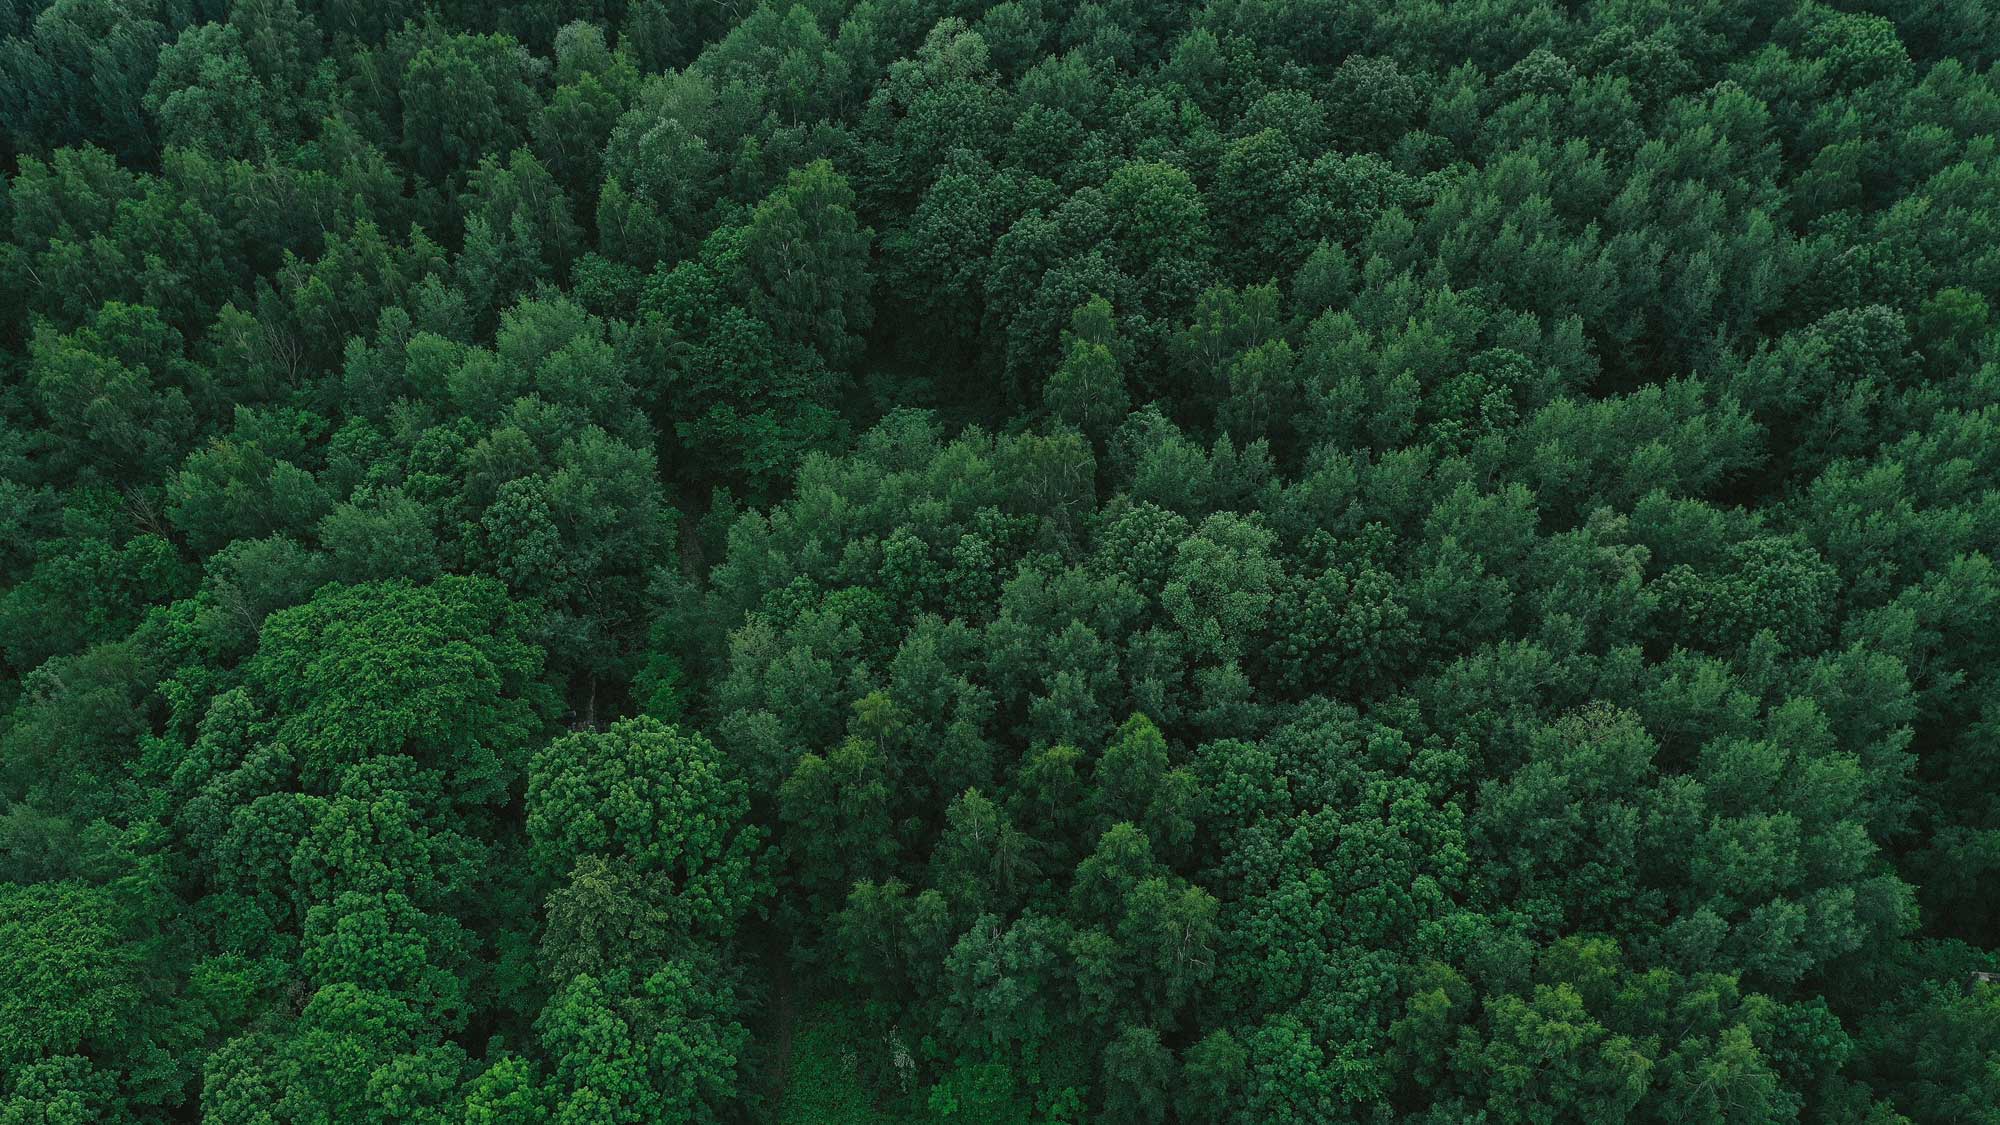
{"points": [[874, 560]]}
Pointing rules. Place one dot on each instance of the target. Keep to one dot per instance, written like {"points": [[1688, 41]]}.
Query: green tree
{"points": [[660, 798], [664, 1046], [438, 672]]}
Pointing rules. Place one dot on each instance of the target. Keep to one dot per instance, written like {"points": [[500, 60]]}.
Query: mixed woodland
{"points": [[598, 562]]}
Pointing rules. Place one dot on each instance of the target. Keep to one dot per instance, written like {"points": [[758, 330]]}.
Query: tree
{"points": [[787, 290], [80, 73], [70, 982], [115, 392], [1087, 391], [643, 1050], [658, 798], [1219, 590], [463, 97], [1160, 216], [438, 672], [1138, 1073], [805, 257], [1371, 102], [838, 813]]}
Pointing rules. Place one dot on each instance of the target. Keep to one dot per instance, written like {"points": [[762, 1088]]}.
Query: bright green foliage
{"points": [[507, 1093], [661, 1048], [437, 672], [69, 980], [658, 798]]}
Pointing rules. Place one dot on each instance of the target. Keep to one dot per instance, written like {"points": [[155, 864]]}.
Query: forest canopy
{"points": [[598, 562]]}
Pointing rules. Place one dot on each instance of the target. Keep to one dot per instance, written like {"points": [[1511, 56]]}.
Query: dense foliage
{"points": [[1271, 561]]}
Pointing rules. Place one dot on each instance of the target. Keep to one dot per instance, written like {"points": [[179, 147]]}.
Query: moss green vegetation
{"points": [[1260, 562]]}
